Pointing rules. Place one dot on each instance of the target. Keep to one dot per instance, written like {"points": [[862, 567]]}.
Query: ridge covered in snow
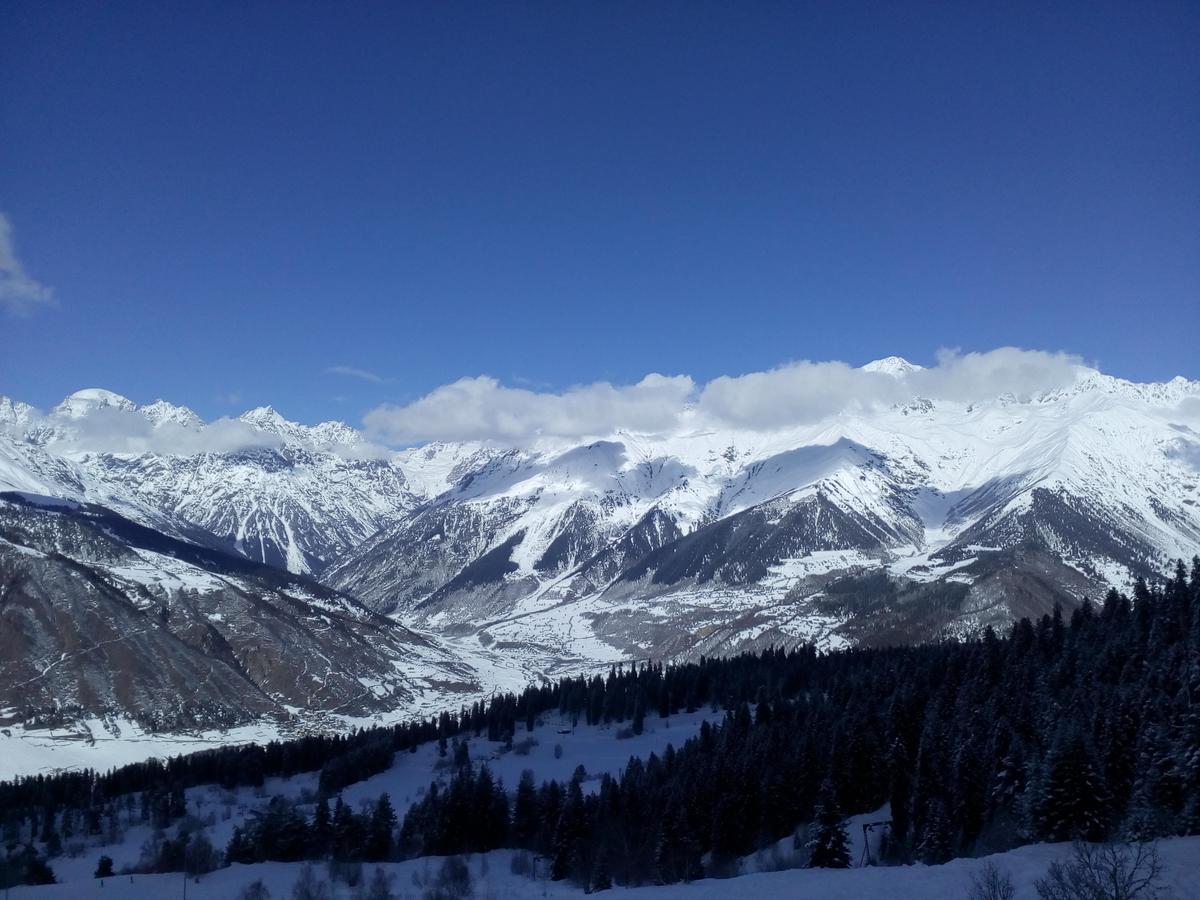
{"points": [[715, 539], [276, 491], [701, 537]]}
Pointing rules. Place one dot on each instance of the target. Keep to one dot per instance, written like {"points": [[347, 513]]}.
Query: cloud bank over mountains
{"points": [[800, 392], [111, 430], [481, 409]]}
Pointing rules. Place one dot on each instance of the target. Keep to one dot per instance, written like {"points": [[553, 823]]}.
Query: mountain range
{"points": [[246, 548]]}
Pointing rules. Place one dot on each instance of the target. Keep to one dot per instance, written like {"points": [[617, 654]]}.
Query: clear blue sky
{"points": [[229, 198]]}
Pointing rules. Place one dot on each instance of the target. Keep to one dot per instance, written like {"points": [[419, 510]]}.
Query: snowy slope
{"points": [[711, 540], [492, 878], [559, 555], [289, 495]]}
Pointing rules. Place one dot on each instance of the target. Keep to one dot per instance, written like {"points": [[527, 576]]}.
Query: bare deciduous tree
{"points": [[992, 884], [309, 886], [1104, 872], [255, 891]]}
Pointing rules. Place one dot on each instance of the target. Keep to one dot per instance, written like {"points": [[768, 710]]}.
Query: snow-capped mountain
{"points": [[711, 539], [285, 494], [701, 539]]}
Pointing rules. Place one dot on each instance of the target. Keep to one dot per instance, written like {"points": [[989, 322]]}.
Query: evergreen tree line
{"points": [[1087, 728], [282, 833]]}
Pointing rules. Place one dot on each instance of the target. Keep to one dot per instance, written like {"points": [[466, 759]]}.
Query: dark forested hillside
{"points": [[1085, 725]]}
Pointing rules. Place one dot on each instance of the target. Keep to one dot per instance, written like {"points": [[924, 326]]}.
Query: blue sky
{"points": [[230, 200]]}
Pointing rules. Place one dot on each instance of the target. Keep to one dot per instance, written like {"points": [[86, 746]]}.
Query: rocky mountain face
{"points": [[919, 520], [103, 618]]}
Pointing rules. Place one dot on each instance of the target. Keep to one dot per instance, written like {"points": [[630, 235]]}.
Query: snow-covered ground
{"points": [[105, 744], [492, 878]]}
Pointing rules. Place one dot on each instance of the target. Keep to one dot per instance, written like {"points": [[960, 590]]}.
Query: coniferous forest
{"points": [[1084, 724]]}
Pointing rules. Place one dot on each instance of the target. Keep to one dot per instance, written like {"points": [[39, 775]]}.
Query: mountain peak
{"points": [[333, 432], [14, 412], [264, 417], [82, 402], [160, 411], [896, 366]]}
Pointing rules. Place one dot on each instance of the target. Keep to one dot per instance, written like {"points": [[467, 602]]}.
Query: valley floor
{"points": [[102, 745]]}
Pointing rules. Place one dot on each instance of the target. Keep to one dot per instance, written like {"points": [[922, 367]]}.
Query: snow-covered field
{"points": [[492, 879], [105, 744]]}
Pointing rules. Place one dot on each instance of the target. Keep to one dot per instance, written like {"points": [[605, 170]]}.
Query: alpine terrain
{"points": [[256, 567]]}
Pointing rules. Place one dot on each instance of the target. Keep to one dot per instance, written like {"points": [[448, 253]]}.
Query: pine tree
{"points": [[728, 831], [830, 845], [566, 835], [1072, 800], [900, 799], [601, 877], [240, 849], [177, 805], [935, 842], [380, 840], [321, 830], [525, 813], [53, 844], [347, 833]]}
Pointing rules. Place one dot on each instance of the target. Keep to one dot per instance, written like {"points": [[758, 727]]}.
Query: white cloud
{"points": [[80, 425], [1185, 419], [352, 372], [482, 409], [798, 392], [1008, 370], [112, 430], [20, 295], [1188, 452], [1189, 409], [359, 450]]}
